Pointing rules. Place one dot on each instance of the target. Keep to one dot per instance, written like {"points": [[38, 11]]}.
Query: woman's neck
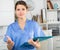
{"points": [[21, 20]]}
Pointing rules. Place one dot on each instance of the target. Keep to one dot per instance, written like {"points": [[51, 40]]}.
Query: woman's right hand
{"points": [[10, 43]]}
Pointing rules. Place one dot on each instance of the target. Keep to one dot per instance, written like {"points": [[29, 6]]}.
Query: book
{"points": [[40, 19], [43, 14], [49, 5], [35, 18]]}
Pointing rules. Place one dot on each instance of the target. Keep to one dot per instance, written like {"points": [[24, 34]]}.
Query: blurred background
{"points": [[45, 12]]}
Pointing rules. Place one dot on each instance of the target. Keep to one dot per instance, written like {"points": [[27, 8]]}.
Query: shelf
{"points": [[56, 22], [53, 9]]}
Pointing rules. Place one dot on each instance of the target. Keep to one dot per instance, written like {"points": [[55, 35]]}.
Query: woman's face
{"points": [[20, 11]]}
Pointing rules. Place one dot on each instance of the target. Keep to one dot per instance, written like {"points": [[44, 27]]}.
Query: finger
{"points": [[11, 44], [9, 39]]}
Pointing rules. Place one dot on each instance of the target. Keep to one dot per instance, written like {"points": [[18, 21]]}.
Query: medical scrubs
{"points": [[19, 36]]}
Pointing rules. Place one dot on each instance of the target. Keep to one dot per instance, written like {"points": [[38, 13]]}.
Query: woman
{"points": [[22, 31]]}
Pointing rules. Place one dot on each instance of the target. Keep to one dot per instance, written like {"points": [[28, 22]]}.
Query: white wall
{"points": [[39, 4], [6, 12]]}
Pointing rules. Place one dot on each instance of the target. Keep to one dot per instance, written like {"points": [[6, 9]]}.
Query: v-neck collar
{"points": [[24, 26]]}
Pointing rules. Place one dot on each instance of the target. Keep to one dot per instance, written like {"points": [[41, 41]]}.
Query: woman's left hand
{"points": [[34, 43]]}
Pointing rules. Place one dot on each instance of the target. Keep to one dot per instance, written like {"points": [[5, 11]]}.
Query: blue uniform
{"points": [[19, 36]]}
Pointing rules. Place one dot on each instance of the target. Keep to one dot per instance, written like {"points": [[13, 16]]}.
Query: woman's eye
{"points": [[18, 9], [23, 9]]}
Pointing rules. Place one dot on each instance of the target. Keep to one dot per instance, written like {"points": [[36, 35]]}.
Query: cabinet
{"points": [[56, 43], [6, 12], [51, 16]]}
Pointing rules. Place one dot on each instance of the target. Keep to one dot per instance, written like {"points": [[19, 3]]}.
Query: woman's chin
{"points": [[20, 17]]}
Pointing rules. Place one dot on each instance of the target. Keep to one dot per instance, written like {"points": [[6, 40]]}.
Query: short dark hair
{"points": [[21, 3]]}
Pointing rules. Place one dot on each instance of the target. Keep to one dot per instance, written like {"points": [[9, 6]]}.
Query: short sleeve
{"points": [[38, 32], [8, 33]]}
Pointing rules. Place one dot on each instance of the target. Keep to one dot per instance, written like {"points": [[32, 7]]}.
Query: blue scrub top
{"points": [[19, 36]]}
